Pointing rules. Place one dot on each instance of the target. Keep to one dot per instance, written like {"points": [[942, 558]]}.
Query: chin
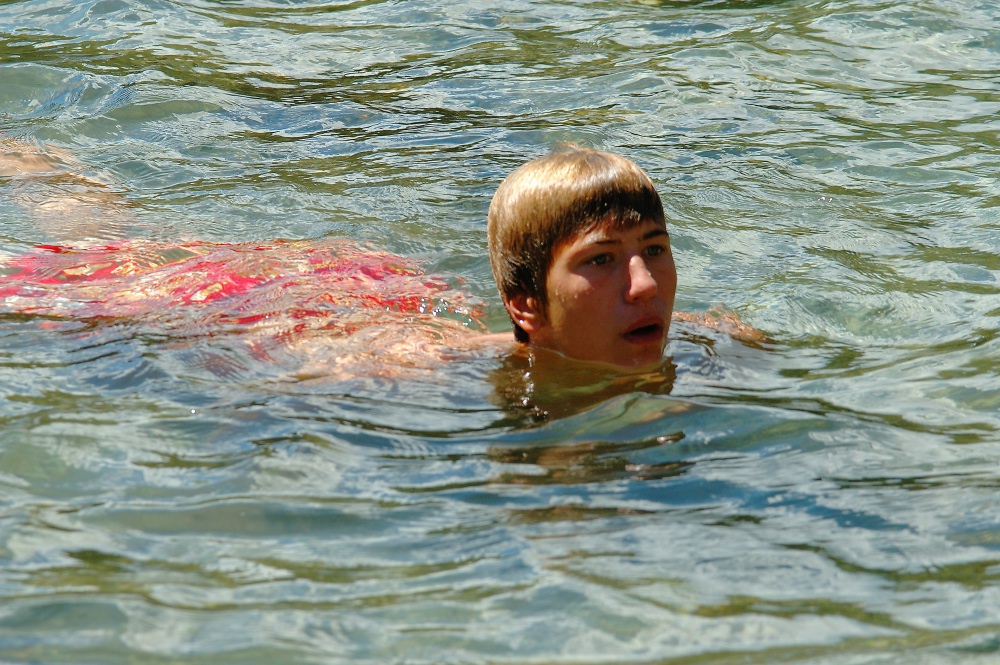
{"points": [[643, 366], [640, 362], [646, 361], [638, 358]]}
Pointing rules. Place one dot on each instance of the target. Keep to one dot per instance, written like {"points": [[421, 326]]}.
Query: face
{"points": [[610, 297]]}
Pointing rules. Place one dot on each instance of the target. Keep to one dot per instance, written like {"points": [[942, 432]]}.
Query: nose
{"points": [[641, 283]]}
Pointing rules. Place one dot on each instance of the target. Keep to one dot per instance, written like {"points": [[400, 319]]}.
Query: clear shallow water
{"points": [[830, 172]]}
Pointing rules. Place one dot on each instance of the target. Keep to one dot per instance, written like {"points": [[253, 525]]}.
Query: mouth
{"points": [[645, 331]]}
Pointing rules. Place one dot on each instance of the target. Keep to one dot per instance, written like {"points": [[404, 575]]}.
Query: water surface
{"points": [[829, 172]]}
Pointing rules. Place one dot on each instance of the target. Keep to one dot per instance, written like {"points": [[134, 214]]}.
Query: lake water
{"points": [[829, 169]]}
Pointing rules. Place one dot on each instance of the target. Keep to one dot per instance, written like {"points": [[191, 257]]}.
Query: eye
{"points": [[655, 250], [600, 260]]}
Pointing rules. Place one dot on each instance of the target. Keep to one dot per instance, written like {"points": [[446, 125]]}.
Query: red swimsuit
{"points": [[329, 284]]}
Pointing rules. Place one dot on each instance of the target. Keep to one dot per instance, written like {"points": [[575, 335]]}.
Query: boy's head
{"points": [[554, 202]]}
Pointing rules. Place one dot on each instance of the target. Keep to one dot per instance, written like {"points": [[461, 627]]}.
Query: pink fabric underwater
{"points": [[330, 284]]}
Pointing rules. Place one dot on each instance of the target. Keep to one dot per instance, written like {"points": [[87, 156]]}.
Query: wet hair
{"points": [[551, 200]]}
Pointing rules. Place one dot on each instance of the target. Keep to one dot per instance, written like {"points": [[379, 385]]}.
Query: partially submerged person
{"points": [[578, 246], [581, 255]]}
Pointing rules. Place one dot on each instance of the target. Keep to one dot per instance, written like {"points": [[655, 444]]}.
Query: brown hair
{"points": [[550, 200]]}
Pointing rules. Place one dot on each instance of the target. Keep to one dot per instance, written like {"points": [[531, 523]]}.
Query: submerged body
{"points": [[324, 302], [331, 280], [578, 244]]}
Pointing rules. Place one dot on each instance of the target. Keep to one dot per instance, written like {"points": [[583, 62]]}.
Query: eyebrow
{"points": [[653, 233]]}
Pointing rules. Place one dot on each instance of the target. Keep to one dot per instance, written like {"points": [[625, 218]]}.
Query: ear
{"points": [[526, 312]]}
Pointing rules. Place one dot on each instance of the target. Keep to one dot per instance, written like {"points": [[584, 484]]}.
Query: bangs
{"points": [[622, 201]]}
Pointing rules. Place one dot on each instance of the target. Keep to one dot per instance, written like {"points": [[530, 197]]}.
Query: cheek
{"points": [[671, 281], [569, 302], [574, 296], [667, 277]]}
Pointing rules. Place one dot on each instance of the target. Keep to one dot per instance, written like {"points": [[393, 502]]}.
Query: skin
{"points": [[610, 298]]}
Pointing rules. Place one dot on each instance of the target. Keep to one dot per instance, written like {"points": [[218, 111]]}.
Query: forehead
{"points": [[609, 231]]}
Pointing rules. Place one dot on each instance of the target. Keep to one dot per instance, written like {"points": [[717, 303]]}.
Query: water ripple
{"points": [[829, 172]]}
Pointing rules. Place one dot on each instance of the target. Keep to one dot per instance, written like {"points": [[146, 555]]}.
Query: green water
{"points": [[830, 172]]}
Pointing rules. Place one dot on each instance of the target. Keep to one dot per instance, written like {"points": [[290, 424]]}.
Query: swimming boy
{"points": [[577, 240], [581, 256]]}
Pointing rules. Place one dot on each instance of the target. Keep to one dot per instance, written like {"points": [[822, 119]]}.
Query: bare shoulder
{"points": [[726, 322]]}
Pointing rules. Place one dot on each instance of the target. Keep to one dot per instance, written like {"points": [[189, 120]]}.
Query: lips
{"points": [[644, 331]]}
